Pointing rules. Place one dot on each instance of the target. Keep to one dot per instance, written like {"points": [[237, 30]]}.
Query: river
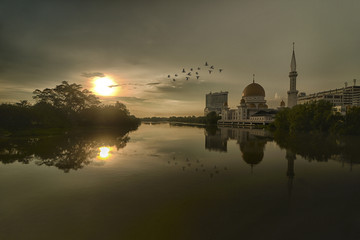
{"points": [[179, 182]]}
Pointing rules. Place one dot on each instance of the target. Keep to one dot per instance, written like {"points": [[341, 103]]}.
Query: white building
{"points": [[341, 98]]}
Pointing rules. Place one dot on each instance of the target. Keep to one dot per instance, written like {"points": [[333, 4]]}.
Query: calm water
{"points": [[172, 182]]}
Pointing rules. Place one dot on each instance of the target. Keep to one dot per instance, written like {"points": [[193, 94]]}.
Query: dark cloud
{"points": [[131, 99], [153, 83], [45, 42], [92, 75]]}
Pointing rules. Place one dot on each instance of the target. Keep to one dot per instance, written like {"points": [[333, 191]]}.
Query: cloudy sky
{"points": [[139, 43]]}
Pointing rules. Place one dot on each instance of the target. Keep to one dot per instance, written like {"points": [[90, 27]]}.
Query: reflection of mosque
{"points": [[251, 143]]}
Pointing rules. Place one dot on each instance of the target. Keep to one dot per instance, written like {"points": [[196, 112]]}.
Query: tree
{"points": [[68, 97], [352, 120], [23, 103], [281, 121], [310, 117], [212, 118]]}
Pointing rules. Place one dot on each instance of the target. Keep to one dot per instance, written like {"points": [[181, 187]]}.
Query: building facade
{"points": [[215, 101], [341, 98]]}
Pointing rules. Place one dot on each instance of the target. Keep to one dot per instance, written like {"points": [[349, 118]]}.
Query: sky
{"points": [[139, 43]]}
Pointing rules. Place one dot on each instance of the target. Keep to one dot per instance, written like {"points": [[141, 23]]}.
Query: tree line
{"points": [[65, 106], [210, 119], [317, 117]]}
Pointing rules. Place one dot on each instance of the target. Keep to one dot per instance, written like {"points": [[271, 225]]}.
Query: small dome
{"points": [[253, 89]]}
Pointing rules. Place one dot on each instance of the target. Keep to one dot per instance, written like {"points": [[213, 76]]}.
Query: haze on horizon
{"points": [[139, 43]]}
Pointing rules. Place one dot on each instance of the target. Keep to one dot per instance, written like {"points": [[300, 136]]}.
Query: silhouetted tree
{"points": [[66, 105], [308, 117], [69, 97], [352, 121], [212, 118]]}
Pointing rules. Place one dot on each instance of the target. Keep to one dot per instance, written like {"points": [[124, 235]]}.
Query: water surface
{"points": [[176, 182]]}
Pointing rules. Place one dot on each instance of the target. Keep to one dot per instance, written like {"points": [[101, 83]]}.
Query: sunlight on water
{"points": [[104, 153]]}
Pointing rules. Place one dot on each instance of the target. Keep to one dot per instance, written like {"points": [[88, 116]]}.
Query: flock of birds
{"points": [[198, 166], [194, 72]]}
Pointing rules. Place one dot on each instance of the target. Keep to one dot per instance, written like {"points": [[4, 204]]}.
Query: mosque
{"points": [[253, 109]]}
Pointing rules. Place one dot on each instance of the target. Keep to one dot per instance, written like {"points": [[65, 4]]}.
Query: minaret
{"points": [[292, 93]]}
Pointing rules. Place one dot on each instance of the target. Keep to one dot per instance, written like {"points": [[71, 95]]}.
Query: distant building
{"points": [[215, 102], [341, 98], [282, 105]]}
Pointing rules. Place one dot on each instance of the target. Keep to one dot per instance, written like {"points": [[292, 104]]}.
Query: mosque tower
{"points": [[292, 93]]}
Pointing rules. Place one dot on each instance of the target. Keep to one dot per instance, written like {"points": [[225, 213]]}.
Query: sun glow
{"points": [[105, 86], [104, 153]]}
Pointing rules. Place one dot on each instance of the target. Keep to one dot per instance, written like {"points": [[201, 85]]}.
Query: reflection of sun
{"points": [[104, 86], [104, 153]]}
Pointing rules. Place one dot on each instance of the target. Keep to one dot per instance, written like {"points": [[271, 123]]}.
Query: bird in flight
{"points": [[187, 78], [191, 69], [189, 74], [197, 77], [168, 76], [183, 70], [176, 75], [206, 64], [197, 73], [199, 68], [220, 70], [212, 67], [174, 80], [210, 71], [111, 86]]}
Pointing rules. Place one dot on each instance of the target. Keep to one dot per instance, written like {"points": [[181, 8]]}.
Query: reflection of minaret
{"points": [[292, 93], [290, 156]]}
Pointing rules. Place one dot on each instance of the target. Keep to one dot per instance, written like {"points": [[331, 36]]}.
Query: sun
{"points": [[104, 86], [104, 153]]}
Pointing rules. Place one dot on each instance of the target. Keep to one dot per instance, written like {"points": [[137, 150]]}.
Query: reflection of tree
{"points": [[66, 152], [320, 147], [349, 149], [310, 147]]}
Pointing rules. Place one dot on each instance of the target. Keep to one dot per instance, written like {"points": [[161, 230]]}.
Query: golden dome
{"points": [[253, 89]]}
